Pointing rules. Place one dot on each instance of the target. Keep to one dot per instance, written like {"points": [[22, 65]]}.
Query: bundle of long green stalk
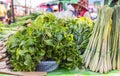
{"points": [[115, 38], [97, 53]]}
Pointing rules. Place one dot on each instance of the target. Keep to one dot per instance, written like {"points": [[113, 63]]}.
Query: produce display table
{"points": [[63, 72], [23, 74]]}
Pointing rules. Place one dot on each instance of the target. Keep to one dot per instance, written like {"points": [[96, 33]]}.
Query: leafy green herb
{"points": [[49, 38]]}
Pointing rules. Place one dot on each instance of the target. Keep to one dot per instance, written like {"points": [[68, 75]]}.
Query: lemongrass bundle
{"points": [[97, 53], [115, 38]]}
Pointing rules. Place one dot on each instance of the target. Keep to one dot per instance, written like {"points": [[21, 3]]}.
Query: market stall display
{"points": [[41, 40]]}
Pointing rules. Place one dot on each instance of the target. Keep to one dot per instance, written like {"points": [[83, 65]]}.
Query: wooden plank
{"points": [[34, 73], [24, 73]]}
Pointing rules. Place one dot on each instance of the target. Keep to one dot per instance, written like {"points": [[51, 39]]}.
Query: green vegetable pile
{"points": [[32, 16], [50, 38], [21, 21], [5, 31]]}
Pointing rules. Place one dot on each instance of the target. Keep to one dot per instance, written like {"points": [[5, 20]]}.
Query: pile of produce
{"points": [[32, 16], [50, 38], [4, 59], [102, 52], [6, 32]]}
